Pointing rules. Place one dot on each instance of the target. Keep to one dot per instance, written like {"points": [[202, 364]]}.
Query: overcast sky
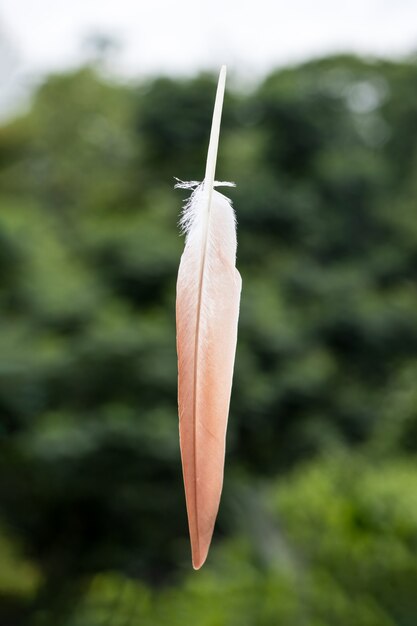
{"points": [[180, 36]]}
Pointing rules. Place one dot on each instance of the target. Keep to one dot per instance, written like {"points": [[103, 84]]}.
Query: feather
{"points": [[208, 296]]}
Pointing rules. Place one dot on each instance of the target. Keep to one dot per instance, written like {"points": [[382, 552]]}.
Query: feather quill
{"points": [[207, 310]]}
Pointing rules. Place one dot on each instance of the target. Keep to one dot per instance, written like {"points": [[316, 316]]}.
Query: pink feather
{"points": [[208, 296]]}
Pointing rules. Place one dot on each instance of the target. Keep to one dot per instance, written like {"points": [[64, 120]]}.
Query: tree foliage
{"points": [[325, 157]]}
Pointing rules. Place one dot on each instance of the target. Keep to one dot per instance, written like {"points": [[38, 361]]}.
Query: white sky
{"points": [[180, 36], [184, 36]]}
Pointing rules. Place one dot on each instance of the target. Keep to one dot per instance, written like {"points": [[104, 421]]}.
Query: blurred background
{"points": [[102, 104]]}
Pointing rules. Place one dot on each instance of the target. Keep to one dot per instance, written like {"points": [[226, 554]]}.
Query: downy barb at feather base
{"points": [[208, 296]]}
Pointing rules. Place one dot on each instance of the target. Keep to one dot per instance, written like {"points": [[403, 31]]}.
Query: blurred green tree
{"points": [[334, 544], [325, 160]]}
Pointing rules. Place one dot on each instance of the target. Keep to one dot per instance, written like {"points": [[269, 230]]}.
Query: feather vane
{"points": [[207, 310]]}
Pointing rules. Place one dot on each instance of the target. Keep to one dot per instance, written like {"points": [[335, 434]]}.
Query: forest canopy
{"points": [[318, 521]]}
